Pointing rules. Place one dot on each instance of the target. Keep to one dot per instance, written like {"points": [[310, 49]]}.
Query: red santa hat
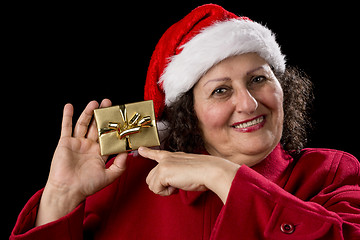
{"points": [[203, 38]]}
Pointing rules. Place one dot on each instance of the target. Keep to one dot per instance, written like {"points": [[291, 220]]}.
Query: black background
{"points": [[55, 53]]}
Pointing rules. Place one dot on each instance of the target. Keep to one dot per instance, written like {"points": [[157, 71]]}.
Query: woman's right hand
{"points": [[77, 168]]}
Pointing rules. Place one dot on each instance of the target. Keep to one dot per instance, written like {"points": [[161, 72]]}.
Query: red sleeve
{"points": [[67, 227], [257, 208]]}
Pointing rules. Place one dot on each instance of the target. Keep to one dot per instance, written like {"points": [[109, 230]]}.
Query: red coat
{"points": [[314, 197]]}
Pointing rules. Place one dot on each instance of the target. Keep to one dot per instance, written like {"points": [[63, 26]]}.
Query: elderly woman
{"points": [[231, 166]]}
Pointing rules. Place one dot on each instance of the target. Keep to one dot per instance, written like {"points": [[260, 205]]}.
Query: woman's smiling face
{"points": [[239, 105]]}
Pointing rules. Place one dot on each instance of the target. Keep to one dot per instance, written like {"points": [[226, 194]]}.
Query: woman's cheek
{"points": [[271, 96], [214, 116], [272, 99]]}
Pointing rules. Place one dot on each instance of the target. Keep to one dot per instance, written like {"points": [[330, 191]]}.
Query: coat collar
{"points": [[274, 165]]}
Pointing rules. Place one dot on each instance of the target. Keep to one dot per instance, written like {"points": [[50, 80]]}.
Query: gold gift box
{"points": [[126, 127]]}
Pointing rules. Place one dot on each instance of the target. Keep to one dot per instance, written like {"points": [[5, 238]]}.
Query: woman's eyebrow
{"points": [[227, 78], [217, 80], [254, 70]]}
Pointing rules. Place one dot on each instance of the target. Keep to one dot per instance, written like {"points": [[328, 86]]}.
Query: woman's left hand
{"points": [[189, 172]]}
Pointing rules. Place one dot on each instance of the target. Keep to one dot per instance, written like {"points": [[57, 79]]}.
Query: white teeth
{"points": [[250, 123]]}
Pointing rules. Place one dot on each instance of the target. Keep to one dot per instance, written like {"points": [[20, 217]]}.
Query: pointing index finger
{"points": [[151, 153]]}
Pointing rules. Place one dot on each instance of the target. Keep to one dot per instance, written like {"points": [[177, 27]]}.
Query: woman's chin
{"points": [[252, 152]]}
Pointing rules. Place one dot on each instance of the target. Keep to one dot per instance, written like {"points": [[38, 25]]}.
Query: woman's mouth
{"points": [[250, 125]]}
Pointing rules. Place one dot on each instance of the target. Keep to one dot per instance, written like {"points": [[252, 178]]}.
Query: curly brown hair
{"points": [[184, 133]]}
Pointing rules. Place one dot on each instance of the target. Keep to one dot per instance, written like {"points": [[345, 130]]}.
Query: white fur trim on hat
{"points": [[214, 44]]}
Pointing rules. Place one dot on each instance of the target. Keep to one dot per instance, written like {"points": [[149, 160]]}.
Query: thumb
{"points": [[116, 168]]}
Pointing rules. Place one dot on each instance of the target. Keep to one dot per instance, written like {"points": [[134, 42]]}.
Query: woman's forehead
{"points": [[245, 64]]}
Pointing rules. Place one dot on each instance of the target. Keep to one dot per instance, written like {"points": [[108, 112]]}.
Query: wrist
{"points": [[222, 175], [56, 203]]}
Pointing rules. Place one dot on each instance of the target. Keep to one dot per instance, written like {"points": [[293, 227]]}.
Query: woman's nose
{"points": [[245, 102]]}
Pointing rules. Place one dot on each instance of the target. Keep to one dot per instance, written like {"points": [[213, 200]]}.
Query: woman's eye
{"points": [[258, 79], [219, 91]]}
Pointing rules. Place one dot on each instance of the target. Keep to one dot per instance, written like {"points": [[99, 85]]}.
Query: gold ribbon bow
{"points": [[130, 127]]}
